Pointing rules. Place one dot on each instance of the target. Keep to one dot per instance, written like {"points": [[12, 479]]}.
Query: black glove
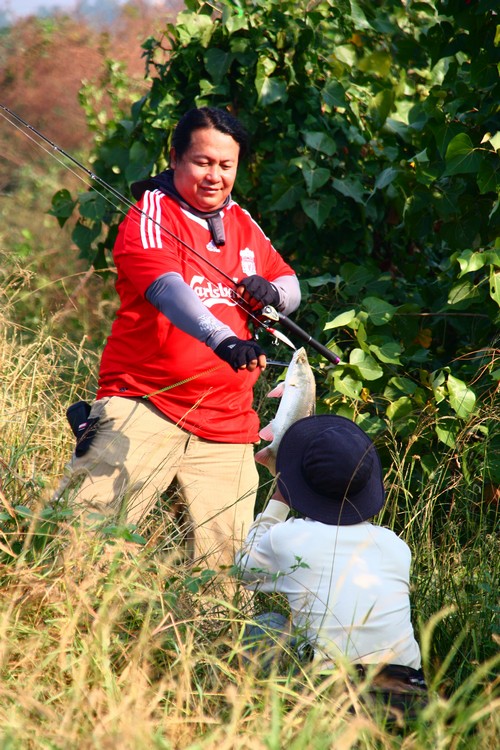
{"points": [[237, 352], [261, 290]]}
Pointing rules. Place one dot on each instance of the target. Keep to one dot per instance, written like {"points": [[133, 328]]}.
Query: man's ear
{"points": [[173, 158]]}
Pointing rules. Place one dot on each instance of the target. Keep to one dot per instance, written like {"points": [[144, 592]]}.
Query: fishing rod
{"points": [[130, 204], [270, 315]]}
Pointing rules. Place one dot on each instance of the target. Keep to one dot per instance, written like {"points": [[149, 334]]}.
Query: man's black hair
{"points": [[208, 117]]}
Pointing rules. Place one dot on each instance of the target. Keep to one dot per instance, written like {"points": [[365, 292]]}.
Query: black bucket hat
{"points": [[329, 470]]}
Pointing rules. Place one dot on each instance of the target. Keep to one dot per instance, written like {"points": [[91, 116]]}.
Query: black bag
{"points": [[83, 427]]}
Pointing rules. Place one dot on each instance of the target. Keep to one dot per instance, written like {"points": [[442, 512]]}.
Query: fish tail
{"points": [[265, 457]]}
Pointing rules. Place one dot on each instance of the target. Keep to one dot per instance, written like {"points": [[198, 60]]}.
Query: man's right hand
{"points": [[241, 354]]}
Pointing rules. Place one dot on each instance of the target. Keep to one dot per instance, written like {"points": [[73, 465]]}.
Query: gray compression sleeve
{"points": [[174, 298], [289, 292]]}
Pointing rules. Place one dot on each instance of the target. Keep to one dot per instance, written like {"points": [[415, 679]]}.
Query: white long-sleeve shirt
{"points": [[347, 586]]}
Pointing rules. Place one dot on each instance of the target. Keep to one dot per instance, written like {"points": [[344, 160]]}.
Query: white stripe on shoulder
{"points": [[151, 219], [144, 211], [158, 196]]}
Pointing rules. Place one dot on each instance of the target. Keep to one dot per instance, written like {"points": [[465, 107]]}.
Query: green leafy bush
{"points": [[376, 134]]}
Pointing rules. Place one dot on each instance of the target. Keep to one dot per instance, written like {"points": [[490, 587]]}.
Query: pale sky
{"points": [[14, 9], [18, 8], [29, 7]]}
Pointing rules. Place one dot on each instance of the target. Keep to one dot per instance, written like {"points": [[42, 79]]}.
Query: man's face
{"points": [[205, 174]]}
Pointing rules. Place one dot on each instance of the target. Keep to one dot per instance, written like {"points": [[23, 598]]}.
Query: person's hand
{"points": [[241, 354], [277, 495], [258, 292]]}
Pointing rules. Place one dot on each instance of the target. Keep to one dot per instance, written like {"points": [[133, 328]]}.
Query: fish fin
{"points": [[266, 458], [277, 391], [266, 433]]}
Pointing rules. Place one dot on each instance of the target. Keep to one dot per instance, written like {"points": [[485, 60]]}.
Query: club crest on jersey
{"points": [[248, 261], [212, 294]]}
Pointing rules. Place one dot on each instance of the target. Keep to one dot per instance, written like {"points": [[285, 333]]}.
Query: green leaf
{"points": [[325, 278], [444, 133], [139, 164], [462, 398], [272, 90], [345, 53], [23, 511], [487, 177], [495, 286], [463, 294], [379, 311], [83, 236], [346, 384], [380, 107], [333, 94], [217, 63], [235, 23], [356, 276], [385, 178], [191, 26], [495, 139], [318, 209], [341, 320], [288, 199], [373, 426], [400, 408], [422, 157], [62, 206], [351, 188], [93, 206], [315, 178], [470, 262], [319, 141], [377, 63], [358, 17], [461, 157], [364, 363], [447, 435], [388, 353], [397, 127], [399, 385], [438, 384]]}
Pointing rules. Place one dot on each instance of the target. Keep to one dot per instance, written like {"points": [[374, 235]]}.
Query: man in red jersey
{"points": [[176, 379]]}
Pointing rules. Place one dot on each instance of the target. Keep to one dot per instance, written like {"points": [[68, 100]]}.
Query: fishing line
{"points": [[90, 186], [238, 299], [119, 196], [266, 316], [182, 382]]}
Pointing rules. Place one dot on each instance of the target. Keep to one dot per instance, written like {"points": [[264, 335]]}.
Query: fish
{"points": [[298, 400]]}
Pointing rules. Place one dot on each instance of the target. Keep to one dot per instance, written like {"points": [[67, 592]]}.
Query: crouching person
{"points": [[346, 579]]}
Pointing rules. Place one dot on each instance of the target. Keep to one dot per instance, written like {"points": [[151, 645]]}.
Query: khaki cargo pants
{"points": [[137, 453]]}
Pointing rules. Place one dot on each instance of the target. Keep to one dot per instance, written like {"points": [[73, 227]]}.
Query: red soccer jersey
{"points": [[145, 355]]}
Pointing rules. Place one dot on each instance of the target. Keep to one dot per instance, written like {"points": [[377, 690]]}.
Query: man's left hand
{"points": [[258, 292]]}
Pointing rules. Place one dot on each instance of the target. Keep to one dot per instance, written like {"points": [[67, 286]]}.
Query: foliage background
{"points": [[375, 171], [376, 134]]}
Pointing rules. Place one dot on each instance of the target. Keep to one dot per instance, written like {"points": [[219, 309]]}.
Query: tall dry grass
{"points": [[111, 644]]}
